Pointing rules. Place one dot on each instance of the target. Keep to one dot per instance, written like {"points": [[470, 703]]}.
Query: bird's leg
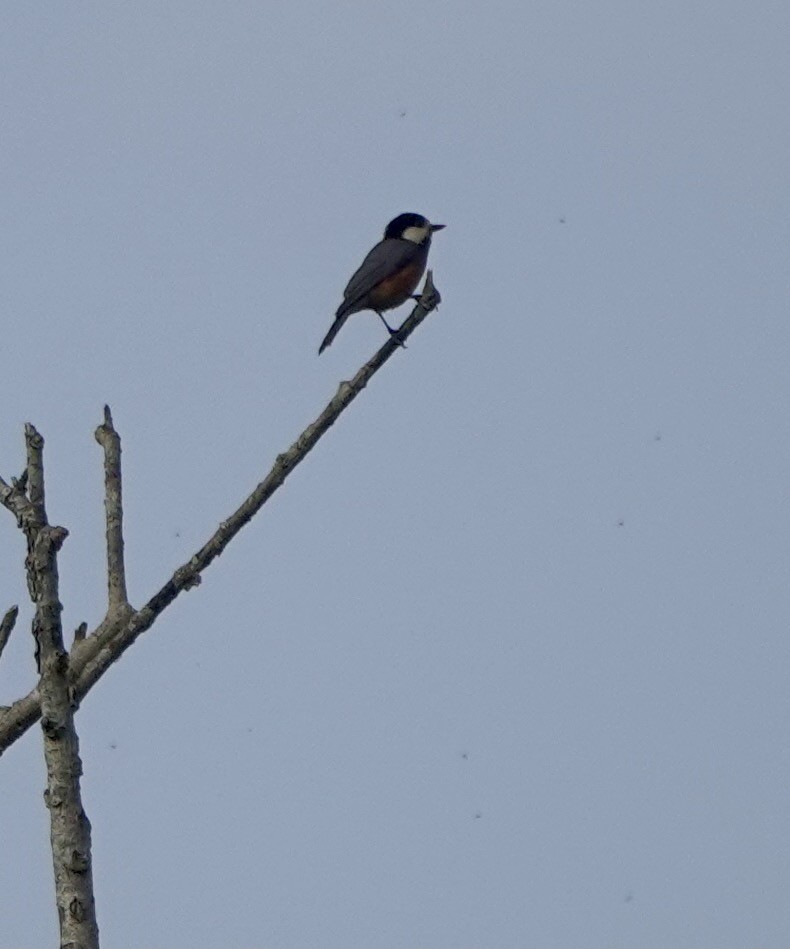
{"points": [[390, 330]]}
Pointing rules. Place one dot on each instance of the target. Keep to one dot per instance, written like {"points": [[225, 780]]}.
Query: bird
{"points": [[390, 272]]}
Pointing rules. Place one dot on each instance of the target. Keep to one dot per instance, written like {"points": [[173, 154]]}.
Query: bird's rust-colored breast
{"points": [[394, 290]]}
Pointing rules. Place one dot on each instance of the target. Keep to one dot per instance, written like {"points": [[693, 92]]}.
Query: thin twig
{"points": [[34, 444], [15, 500], [7, 626], [91, 657], [110, 442]]}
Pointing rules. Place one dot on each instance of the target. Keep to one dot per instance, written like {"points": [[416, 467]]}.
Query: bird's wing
{"points": [[386, 258]]}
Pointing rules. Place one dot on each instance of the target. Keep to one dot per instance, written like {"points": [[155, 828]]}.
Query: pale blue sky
{"points": [[505, 663]]}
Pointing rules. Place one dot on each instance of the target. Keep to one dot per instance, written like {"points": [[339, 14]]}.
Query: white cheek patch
{"points": [[416, 234]]}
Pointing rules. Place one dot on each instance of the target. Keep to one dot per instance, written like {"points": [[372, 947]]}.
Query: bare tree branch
{"points": [[7, 626], [36, 518], [17, 718], [34, 471], [92, 656], [70, 831], [110, 441]]}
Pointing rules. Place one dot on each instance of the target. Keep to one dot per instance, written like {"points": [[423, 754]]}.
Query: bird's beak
{"points": [[437, 227]]}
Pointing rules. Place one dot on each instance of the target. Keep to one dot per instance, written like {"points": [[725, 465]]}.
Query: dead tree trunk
{"points": [[65, 677]]}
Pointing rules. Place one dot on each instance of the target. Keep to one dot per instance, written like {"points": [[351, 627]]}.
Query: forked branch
{"points": [[92, 656]]}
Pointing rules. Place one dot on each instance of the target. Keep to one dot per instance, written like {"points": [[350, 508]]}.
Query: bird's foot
{"points": [[396, 337], [391, 331]]}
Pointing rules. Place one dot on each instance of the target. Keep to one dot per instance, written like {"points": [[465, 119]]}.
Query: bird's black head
{"points": [[411, 227]]}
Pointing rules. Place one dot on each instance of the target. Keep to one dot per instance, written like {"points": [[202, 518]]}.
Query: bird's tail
{"points": [[334, 329]]}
